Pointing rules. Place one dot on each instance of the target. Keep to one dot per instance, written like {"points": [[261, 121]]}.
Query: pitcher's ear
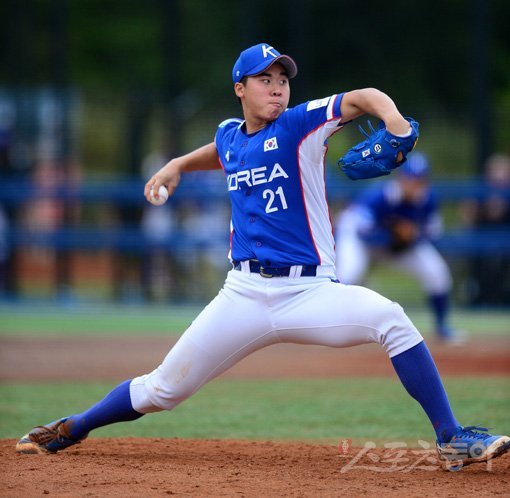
{"points": [[239, 89]]}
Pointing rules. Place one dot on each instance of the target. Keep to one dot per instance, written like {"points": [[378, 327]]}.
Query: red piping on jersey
{"points": [[230, 239], [301, 181]]}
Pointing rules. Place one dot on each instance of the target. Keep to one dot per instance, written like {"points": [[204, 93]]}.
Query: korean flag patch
{"points": [[270, 144]]}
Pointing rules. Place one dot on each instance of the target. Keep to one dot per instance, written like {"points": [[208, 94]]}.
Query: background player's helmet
{"points": [[416, 166]]}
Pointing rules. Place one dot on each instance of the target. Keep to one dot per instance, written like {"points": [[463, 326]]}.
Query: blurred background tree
{"points": [[444, 58]]}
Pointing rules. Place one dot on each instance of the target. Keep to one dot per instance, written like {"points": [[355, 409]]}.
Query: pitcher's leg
{"points": [[418, 374], [231, 327], [338, 315], [114, 407], [342, 315]]}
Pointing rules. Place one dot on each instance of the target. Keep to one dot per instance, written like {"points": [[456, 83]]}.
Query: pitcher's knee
{"points": [[398, 333], [150, 393]]}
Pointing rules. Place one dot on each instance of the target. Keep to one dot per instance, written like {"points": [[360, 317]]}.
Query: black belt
{"points": [[268, 271]]}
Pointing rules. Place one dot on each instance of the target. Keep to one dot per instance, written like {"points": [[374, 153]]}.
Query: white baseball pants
{"points": [[252, 312]]}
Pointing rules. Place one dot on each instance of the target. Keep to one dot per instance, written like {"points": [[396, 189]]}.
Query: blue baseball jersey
{"points": [[383, 204], [276, 184]]}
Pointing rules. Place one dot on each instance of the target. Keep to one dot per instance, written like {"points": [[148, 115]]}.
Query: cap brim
{"points": [[287, 62]]}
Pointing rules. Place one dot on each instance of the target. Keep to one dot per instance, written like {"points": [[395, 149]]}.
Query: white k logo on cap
{"points": [[267, 50]]}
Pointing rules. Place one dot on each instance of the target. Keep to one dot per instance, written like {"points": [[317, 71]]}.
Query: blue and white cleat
{"points": [[48, 438], [471, 445]]}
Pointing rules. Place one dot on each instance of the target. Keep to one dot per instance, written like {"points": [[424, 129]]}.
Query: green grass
{"points": [[102, 319], [321, 410], [91, 320]]}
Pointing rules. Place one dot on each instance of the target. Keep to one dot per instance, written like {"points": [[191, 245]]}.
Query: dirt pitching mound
{"points": [[146, 467]]}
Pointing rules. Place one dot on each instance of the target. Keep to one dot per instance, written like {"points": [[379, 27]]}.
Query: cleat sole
{"points": [[26, 446], [496, 449]]}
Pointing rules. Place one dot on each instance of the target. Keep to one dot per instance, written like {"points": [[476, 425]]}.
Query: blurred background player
{"points": [[395, 223]]}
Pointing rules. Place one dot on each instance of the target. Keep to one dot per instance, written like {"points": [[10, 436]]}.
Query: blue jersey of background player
{"points": [[409, 197], [395, 223]]}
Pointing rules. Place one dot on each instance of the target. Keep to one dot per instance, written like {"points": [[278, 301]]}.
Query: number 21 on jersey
{"points": [[272, 203]]}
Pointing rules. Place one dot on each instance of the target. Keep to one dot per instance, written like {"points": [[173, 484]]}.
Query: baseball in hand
{"points": [[162, 196]]}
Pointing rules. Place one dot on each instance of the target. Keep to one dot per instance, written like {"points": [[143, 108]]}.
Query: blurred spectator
{"points": [[44, 212], [5, 150], [395, 222], [489, 281], [492, 208], [52, 206]]}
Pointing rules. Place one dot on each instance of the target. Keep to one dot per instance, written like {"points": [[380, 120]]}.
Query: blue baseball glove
{"points": [[379, 154]]}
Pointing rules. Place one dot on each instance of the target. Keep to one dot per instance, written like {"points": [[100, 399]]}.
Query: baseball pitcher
{"points": [[282, 286]]}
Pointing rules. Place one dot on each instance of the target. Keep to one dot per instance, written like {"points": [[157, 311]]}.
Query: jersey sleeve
{"points": [[321, 115]]}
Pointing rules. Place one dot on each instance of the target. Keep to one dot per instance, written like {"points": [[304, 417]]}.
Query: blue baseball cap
{"points": [[256, 59], [416, 166]]}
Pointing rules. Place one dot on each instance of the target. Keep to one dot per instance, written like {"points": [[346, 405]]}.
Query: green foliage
{"points": [[179, 54], [421, 51], [116, 44], [325, 410]]}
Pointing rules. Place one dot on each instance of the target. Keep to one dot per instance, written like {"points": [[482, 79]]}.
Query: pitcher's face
{"points": [[265, 96]]}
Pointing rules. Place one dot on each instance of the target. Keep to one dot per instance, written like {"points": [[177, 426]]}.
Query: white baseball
{"points": [[162, 196]]}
